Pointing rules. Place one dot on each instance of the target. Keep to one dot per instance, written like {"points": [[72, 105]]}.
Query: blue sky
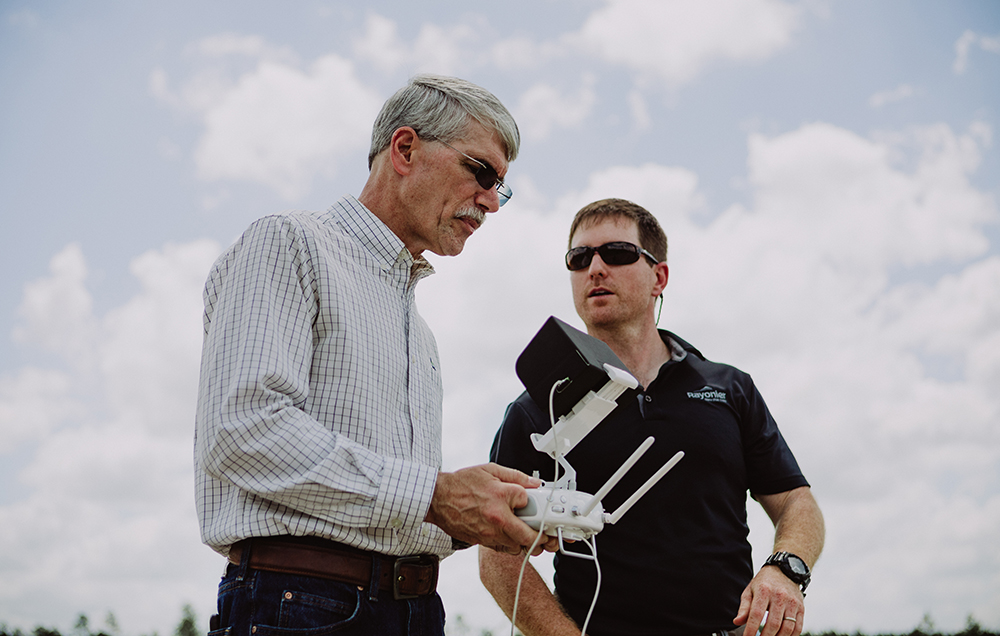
{"points": [[826, 171]]}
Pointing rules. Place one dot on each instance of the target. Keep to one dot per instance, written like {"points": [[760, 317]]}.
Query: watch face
{"points": [[798, 565]]}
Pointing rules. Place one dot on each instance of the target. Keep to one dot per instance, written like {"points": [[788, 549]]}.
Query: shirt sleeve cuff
{"points": [[404, 494]]}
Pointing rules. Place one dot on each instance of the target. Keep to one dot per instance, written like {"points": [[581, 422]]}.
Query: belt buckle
{"points": [[397, 576]]}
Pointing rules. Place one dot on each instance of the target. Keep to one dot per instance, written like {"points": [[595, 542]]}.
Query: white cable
{"points": [[591, 543], [520, 577], [597, 590], [541, 525]]}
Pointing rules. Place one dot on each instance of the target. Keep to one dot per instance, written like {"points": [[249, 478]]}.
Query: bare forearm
{"points": [[799, 528], [538, 611]]}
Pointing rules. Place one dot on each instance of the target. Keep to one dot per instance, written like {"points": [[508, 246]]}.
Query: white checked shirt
{"points": [[319, 408]]}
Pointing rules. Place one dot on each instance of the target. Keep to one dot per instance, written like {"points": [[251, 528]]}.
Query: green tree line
{"points": [[927, 628], [188, 626]]}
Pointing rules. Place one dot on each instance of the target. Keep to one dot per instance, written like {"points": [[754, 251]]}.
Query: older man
{"points": [[678, 564], [317, 446]]}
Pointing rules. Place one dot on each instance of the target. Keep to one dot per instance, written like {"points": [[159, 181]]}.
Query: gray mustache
{"points": [[473, 213]]}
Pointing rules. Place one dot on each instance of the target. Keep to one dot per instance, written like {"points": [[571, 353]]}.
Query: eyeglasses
{"points": [[486, 176], [614, 253]]}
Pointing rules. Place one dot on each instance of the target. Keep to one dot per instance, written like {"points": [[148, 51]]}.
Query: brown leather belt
{"points": [[407, 577]]}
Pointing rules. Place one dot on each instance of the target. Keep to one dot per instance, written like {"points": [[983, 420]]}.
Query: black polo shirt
{"points": [[679, 560]]}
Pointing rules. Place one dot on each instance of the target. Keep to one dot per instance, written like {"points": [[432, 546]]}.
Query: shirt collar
{"points": [[678, 346], [369, 230], [677, 352]]}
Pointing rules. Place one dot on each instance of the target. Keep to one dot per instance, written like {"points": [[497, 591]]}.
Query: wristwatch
{"points": [[793, 567]]}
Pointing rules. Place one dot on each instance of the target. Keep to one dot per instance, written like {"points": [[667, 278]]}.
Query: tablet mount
{"points": [[580, 378]]}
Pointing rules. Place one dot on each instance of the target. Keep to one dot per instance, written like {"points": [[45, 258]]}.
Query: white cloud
{"points": [[865, 210], [281, 126], [31, 404], [381, 44], [901, 92], [675, 41], [251, 47], [519, 52], [669, 41], [958, 317], [446, 51], [275, 123], [151, 340], [542, 108], [640, 112], [120, 465], [218, 61], [55, 311], [436, 49], [669, 192], [451, 50], [104, 504], [964, 44]]}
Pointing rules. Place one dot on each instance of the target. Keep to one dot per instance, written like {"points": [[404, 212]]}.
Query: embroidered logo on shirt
{"points": [[708, 394]]}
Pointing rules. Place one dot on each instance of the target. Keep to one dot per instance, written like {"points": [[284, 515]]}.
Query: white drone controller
{"points": [[560, 512], [557, 508]]}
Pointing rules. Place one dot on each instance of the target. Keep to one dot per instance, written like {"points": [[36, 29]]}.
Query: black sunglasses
{"points": [[614, 253], [485, 175]]}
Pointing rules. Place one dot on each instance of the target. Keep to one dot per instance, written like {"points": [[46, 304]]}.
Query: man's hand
{"points": [[779, 596], [476, 505]]}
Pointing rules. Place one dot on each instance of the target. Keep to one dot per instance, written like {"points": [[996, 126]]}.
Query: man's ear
{"points": [[662, 275], [402, 147]]}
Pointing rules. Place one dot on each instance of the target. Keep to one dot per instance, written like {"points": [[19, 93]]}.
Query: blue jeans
{"points": [[260, 603]]}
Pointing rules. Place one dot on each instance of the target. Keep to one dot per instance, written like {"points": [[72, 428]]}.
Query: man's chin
{"points": [[451, 248], [600, 316]]}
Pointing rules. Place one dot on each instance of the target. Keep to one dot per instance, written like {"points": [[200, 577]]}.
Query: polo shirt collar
{"points": [[678, 347]]}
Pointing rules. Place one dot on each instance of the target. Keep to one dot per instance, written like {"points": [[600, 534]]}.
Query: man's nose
{"points": [[597, 266], [488, 199]]}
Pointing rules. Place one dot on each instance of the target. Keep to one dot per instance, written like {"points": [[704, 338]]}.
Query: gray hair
{"points": [[440, 108]]}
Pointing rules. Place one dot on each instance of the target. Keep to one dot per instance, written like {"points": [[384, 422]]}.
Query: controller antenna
{"points": [[611, 483], [645, 487]]}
